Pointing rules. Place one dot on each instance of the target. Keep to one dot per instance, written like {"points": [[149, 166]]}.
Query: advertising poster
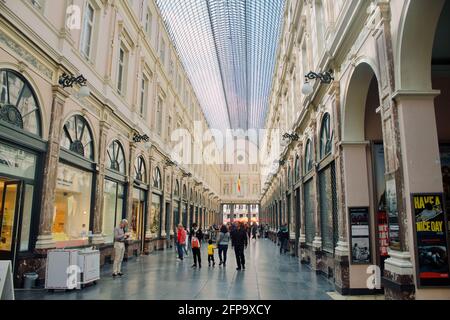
{"points": [[445, 167], [431, 240], [391, 206], [360, 235]]}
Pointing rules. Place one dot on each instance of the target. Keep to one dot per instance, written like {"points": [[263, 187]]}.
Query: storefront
{"points": [[21, 153], [139, 202], [74, 185], [176, 207], [308, 195], [156, 209], [184, 216], [114, 190]]}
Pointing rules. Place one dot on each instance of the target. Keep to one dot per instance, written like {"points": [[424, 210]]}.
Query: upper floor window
{"points": [[116, 157], [162, 52], [148, 23], [121, 74], [38, 4], [169, 128], [18, 102], [308, 156], [88, 30], [159, 116], [326, 136], [144, 91], [77, 137]]}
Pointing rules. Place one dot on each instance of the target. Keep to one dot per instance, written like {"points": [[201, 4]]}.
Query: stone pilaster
{"points": [[45, 238], [163, 233], [129, 203], [100, 185], [172, 187]]}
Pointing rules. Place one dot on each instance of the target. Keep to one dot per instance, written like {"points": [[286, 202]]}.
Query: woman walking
{"points": [[223, 241]]}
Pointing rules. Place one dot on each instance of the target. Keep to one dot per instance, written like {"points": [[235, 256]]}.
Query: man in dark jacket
{"points": [[283, 234], [239, 243]]}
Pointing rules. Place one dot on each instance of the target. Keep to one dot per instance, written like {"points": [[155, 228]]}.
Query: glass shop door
{"points": [[9, 213]]}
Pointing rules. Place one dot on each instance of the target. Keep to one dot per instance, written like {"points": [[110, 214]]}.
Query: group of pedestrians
{"points": [[237, 234]]}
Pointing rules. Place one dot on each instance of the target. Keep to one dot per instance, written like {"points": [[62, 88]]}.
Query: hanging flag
{"points": [[239, 184]]}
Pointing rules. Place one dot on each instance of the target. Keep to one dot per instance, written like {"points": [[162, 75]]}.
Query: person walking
{"points": [[196, 239], [181, 241], [185, 247], [223, 241], [120, 236], [239, 242], [211, 248], [254, 230], [284, 238]]}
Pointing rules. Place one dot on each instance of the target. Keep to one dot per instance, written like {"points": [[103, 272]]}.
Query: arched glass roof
{"points": [[228, 48]]}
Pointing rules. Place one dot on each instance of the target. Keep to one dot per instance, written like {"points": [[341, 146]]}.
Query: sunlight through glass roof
{"points": [[228, 49]]}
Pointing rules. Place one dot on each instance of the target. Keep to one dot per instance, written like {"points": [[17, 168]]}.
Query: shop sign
{"points": [[431, 244], [360, 235]]}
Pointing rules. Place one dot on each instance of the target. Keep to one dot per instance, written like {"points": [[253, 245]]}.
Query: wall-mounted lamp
{"points": [[139, 138], [325, 78], [67, 81], [282, 162], [291, 136]]}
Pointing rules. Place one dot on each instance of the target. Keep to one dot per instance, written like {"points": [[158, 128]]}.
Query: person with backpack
{"points": [[196, 239], [223, 241]]}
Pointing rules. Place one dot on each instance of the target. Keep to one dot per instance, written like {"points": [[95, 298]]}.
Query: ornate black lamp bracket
{"points": [[325, 77], [67, 81]]}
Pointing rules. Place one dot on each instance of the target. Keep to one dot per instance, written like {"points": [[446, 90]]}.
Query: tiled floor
{"points": [[269, 275]]}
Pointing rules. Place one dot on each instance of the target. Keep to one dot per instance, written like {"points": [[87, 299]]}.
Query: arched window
{"points": [[297, 168], [176, 191], [326, 136], [184, 192], [192, 195], [289, 177], [77, 137], [157, 183], [308, 156], [18, 103], [116, 157], [140, 172]]}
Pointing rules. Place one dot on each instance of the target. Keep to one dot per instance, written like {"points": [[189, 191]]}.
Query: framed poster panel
{"points": [[360, 235], [430, 240]]}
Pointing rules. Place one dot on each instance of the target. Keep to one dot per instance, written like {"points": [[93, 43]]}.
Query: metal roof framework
{"points": [[228, 48]]}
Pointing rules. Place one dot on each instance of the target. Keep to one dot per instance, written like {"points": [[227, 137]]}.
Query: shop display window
{"points": [[72, 206], [113, 200]]}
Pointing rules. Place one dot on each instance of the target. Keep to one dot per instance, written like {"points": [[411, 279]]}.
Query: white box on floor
{"points": [[71, 268]]}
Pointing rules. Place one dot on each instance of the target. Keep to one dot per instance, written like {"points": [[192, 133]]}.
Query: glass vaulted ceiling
{"points": [[228, 49]]}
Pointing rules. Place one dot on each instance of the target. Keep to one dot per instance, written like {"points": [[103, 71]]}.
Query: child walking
{"points": [[211, 248]]}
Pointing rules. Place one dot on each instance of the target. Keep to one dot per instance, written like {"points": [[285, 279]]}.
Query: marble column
{"points": [[45, 238]]}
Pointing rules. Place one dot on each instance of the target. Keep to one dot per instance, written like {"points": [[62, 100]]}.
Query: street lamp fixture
{"points": [[67, 81], [139, 138], [291, 136], [325, 78]]}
